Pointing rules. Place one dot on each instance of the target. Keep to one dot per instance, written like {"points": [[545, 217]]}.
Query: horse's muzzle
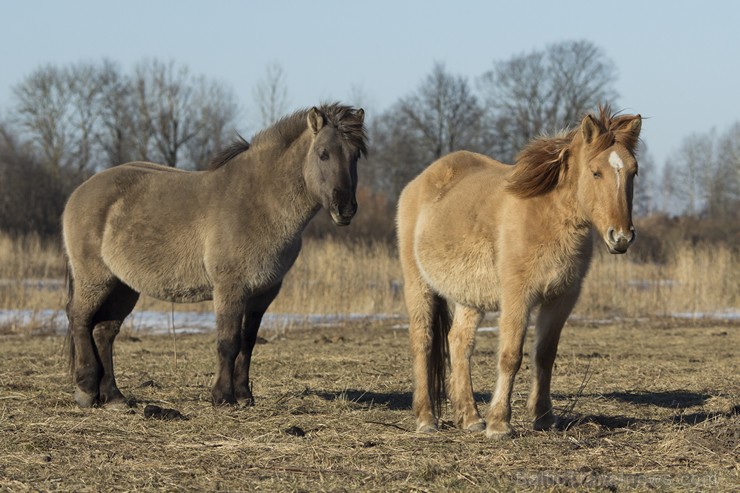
{"points": [[343, 207], [618, 242]]}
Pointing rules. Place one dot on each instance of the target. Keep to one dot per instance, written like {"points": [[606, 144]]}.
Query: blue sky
{"points": [[678, 61]]}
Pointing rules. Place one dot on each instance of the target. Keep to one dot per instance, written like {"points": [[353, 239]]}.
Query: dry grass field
{"points": [[337, 277], [648, 402], [648, 405]]}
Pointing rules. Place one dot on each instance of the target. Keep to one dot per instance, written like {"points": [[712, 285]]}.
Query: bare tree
{"points": [[217, 111], [543, 92], [167, 110], [89, 116], [724, 196], [57, 108], [395, 159], [692, 165], [645, 198], [116, 133], [441, 116], [180, 119], [271, 95], [32, 194]]}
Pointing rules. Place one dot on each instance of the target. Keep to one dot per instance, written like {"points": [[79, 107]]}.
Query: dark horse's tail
{"points": [[68, 340], [441, 323]]}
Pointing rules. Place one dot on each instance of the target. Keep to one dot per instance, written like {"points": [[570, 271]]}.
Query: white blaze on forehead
{"points": [[616, 162]]}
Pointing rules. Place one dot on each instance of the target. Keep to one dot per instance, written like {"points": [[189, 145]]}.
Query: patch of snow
{"points": [[730, 314], [184, 322]]}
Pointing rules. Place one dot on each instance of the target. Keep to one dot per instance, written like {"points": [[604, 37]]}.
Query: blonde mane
{"points": [[540, 166]]}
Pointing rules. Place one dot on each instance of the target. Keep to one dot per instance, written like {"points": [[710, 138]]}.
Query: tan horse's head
{"points": [[330, 169], [607, 169]]}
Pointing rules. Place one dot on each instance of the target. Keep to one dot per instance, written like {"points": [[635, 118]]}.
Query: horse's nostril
{"points": [[610, 235]]}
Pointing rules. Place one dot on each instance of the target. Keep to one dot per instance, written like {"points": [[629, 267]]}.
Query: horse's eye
{"points": [[597, 174], [323, 155]]}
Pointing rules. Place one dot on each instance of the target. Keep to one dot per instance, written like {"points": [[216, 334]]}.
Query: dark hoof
{"points": [[245, 401], [543, 424], [223, 400], [115, 400], [85, 399]]}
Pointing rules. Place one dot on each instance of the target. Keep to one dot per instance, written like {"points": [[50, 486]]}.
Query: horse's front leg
{"points": [[550, 321], [255, 309], [229, 308], [512, 329]]}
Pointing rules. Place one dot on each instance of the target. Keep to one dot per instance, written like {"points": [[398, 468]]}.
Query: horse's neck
{"points": [[277, 187], [573, 229]]}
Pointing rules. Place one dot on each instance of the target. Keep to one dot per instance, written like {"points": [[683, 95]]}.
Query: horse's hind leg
{"points": [[462, 343], [86, 300], [550, 321], [420, 306], [254, 310], [108, 320]]}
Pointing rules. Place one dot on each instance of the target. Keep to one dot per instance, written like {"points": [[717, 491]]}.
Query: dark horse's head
{"points": [[330, 170]]}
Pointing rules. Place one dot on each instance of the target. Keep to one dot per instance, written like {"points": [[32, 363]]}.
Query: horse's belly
{"points": [[176, 283], [166, 270], [179, 292], [461, 271]]}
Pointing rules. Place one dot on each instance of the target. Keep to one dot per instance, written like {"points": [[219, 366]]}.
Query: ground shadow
{"points": [[673, 399], [394, 401], [606, 422], [676, 399], [696, 418]]}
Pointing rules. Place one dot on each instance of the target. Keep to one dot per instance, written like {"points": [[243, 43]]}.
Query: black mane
{"points": [[238, 146]]}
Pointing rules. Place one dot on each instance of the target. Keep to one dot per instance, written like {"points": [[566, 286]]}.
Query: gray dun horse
{"points": [[476, 235], [228, 234]]}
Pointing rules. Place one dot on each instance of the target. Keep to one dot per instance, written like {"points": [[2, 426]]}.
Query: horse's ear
{"points": [[633, 130], [360, 114], [628, 131], [590, 129], [315, 120]]}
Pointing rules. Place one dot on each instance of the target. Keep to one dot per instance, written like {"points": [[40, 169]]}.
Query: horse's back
{"points": [[89, 205], [448, 172], [445, 185]]}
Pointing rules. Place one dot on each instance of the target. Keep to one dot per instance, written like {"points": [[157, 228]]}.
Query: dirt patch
{"points": [[643, 406]]}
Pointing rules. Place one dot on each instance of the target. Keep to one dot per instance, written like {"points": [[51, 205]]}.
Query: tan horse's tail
{"points": [[441, 323]]}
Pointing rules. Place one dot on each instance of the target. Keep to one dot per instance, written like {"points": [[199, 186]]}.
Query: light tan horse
{"points": [[481, 236], [229, 234]]}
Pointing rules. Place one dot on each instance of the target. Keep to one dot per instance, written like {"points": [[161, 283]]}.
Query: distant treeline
{"points": [[68, 122]]}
